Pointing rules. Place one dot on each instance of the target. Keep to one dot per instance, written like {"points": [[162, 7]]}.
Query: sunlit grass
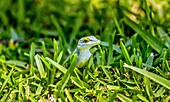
{"points": [[131, 63]]}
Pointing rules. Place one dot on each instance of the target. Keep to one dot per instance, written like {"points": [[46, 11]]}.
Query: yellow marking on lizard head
{"points": [[85, 40]]}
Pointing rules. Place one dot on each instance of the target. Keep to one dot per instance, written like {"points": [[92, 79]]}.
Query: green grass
{"points": [[132, 63]]}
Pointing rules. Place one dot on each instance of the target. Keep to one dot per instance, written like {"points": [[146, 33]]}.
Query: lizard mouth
{"points": [[96, 42]]}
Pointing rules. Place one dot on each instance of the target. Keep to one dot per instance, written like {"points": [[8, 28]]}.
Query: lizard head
{"points": [[88, 42]]}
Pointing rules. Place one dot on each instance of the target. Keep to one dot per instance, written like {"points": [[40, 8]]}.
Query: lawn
{"points": [[132, 62]]}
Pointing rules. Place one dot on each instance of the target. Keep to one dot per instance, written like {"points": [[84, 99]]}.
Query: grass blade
{"points": [[55, 45], [66, 77], [151, 40], [61, 33], [40, 66], [107, 74], [39, 90], [125, 53], [142, 98], [69, 96], [44, 49], [61, 68], [21, 11], [123, 98], [110, 56], [17, 63], [164, 82], [79, 82], [6, 80], [76, 28], [117, 49], [32, 54]]}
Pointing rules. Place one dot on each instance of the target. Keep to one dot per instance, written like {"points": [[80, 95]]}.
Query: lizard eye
{"points": [[86, 40]]}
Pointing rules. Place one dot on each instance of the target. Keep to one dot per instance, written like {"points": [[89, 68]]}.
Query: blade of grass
{"points": [[6, 96], [39, 90], [118, 26], [147, 50], [162, 73], [163, 62], [113, 96], [122, 70], [115, 48], [17, 63], [134, 41], [21, 9], [69, 72], [110, 56], [123, 98], [69, 96], [61, 33], [149, 61], [160, 92], [21, 92], [164, 82], [79, 83], [148, 88], [142, 98], [45, 62], [164, 36], [80, 98], [76, 28], [55, 64], [31, 55], [151, 40], [6, 80], [125, 53], [55, 45], [44, 49], [102, 55], [40, 66], [140, 62], [60, 56], [107, 74]]}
